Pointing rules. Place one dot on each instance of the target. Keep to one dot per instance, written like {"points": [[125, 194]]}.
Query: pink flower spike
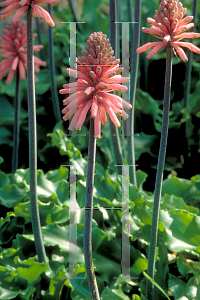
{"points": [[169, 25], [14, 51], [94, 84], [23, 5]]}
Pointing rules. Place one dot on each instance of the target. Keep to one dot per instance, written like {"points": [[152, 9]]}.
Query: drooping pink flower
{"points": [[15, 52], [97, 77], [22, 6], [169, 26]]}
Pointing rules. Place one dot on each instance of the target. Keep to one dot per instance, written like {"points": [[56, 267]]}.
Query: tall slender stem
{"points": [[87, 240], [32, 142], [114, 131], [133, 82], [159, 175], [16, 123], [54, 94]]}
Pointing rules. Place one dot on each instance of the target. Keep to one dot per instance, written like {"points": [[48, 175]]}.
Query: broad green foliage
{"points": [[179, 227], [178, 249]]}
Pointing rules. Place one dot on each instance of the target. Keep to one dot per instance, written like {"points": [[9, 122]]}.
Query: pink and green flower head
{"points": [[22, 6], [98, 75], [15, 52], [170, 27]]}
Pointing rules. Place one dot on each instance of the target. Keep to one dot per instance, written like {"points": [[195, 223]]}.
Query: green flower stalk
{"points": [[169, 26], [16, 123], [87, 241], [33, 143], [159, 174], [98, 75]]}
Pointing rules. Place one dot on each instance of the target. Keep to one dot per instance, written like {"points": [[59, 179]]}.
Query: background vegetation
{"points": [[177, 262]]}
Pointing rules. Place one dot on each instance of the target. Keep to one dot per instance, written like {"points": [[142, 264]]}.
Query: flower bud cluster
{"points": [[97, 57], [169, 14]]}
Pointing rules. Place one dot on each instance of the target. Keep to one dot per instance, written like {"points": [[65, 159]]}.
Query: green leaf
{"points": [[179, 187], [141, 178], [183, 266], [155, 283], [33, 272], [9, 89], [173, 202], [143, 144], [7, 112], [43, 84], [45, 187], [4, 179], [181, 230], [7, 218], [177, 286], [192, 288], [114, 293], [11, 195], [49, 212], [57, 282], [56, 175], [11, 285], [6, 294], [55, 235]]}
